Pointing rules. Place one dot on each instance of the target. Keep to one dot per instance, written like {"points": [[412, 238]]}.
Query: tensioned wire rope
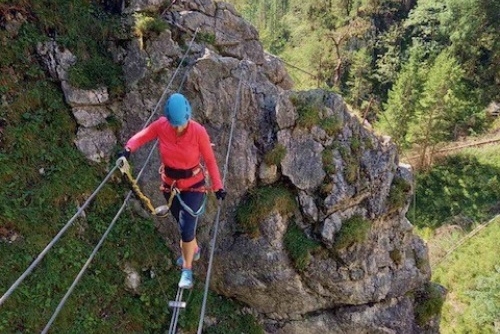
{"points": [[79, 212], [287, 63], [127, 198], [219, 206]]}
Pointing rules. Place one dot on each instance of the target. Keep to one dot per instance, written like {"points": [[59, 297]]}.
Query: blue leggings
{"points": [[187, 222]]}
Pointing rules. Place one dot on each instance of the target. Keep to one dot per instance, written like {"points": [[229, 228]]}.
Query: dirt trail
{"points": [[412, 158]]}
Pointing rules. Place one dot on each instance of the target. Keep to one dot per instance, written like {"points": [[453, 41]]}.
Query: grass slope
{"points": [[459, 193], [44, 178]]}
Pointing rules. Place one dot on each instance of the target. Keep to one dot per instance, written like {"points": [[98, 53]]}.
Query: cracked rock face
{"points": [[337, 170]]}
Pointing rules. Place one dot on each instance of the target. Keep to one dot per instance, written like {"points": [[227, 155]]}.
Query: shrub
{"points": [[428, 303], [260, 203], [398, 193], [206, 37], [308, 116], [299, 246], [354, 230], [276, 155], [328, 163], [146, 26], [332, 125]]}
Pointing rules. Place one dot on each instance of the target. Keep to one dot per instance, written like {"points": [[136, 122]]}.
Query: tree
{"points": [[439, 105], [359, 81], [473, 27], [404, 98]]}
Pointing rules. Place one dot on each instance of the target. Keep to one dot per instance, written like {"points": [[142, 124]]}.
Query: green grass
{"points": [[276, 155], [299, 246], [332, 125], [328, 161], [399, 192], [463, 190], [460, 189], [354, 230], [44, 178], [472, 275], [429, 302], [259, 204]]}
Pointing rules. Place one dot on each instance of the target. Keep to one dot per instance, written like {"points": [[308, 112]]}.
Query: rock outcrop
{"points": [[343, 177]]}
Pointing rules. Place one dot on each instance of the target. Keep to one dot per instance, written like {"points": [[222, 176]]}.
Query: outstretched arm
{"points": [[142, 137]]}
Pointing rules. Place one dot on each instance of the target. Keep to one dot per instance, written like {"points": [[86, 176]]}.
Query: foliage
{"points": [[472, 304], [439, 104], [328, 161], [403, 99], [95, 72], [354, 230], [276, 155], [45, 179], [332, 125], [459, 186], [84, 28], [429, 302], [383, 53], [147, 26], [472, 28], [206, 38], [400, 189], [261, 202], [359, 82], [299, 246], [308, 115], [351, 162]]}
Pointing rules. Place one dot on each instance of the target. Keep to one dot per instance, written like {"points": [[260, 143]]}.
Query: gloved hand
{"points": [[220, 194], [125, 153]]}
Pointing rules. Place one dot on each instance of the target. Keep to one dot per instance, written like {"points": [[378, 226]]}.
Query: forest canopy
{"points": [[433, 66]]}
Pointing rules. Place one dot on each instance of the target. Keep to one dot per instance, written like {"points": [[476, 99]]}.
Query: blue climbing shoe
{"points": [[196, 257], [186, 281]]}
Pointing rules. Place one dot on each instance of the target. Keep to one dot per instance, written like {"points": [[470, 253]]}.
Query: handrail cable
{"points": [[94, 252], [462, 241], [269, 53], [127, 198], [16, 284], [55, 239], [216, 224]]}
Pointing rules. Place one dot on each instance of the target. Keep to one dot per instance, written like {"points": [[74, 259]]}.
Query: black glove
{"points": [[125, 153], [220, 194]]}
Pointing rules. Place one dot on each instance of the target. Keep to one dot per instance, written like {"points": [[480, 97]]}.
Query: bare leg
{"points": [[188, 249]]}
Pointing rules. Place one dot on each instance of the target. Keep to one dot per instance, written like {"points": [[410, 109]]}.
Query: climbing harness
{"points": [[179, 304], [81, 209]]}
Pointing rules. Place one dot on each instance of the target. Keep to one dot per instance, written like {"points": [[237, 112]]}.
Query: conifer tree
{"points": [[404, 98], [439, 105]]}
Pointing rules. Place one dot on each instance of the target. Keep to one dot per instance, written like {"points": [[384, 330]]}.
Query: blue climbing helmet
{"points": [[177, 110]]}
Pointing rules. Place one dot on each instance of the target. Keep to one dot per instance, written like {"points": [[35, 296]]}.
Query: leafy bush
{"points": [[146, 26], [327, 159], [332, 125]]}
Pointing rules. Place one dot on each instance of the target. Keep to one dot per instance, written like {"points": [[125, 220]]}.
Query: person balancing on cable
{"points": [[183, 142]]}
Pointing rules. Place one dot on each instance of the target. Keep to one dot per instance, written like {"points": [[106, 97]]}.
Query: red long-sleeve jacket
{"points": [[181, 151]]}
